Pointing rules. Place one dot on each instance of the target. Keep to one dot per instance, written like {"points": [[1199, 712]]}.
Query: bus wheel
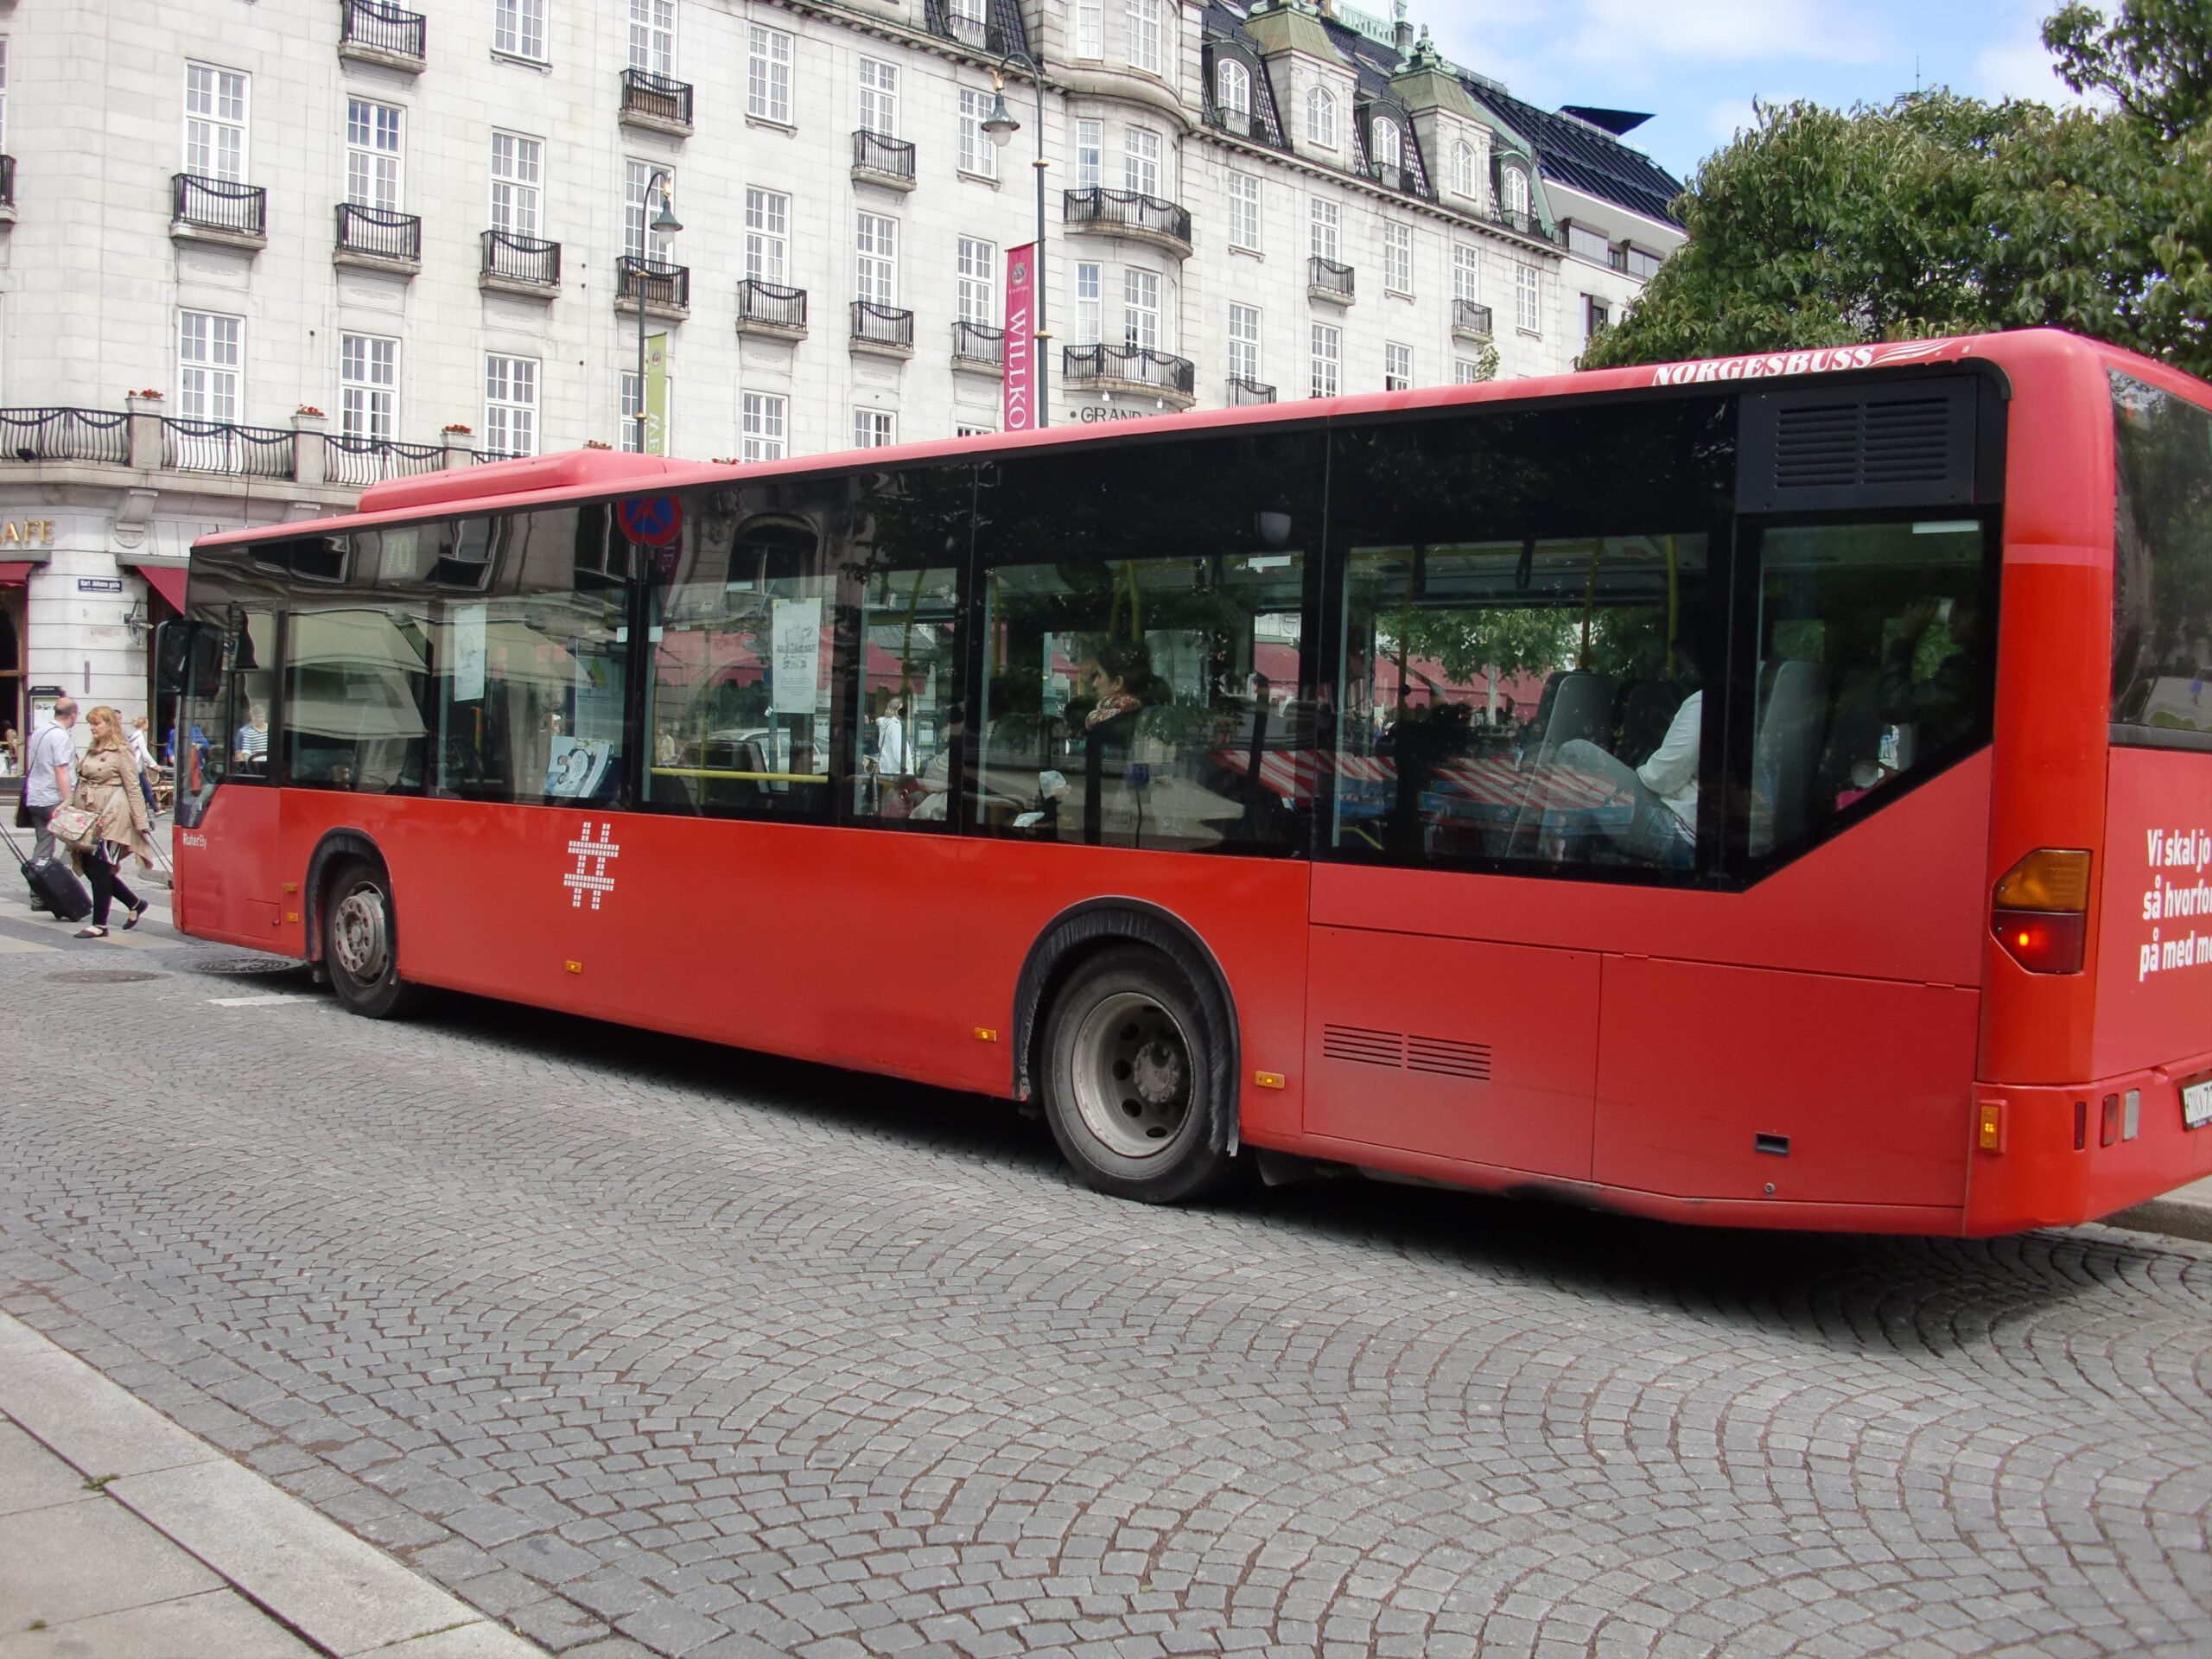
{"points": [[361, 944], [1133, 1087]]}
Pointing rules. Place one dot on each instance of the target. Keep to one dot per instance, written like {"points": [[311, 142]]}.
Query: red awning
{"points": [[166, 580], [15, 573]]}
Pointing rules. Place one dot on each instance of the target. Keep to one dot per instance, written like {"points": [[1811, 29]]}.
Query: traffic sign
{"points": [[650, 520]]}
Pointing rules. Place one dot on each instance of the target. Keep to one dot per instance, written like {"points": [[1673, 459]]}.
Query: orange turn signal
{"points": [[2050, 878], [1989, 1126]]}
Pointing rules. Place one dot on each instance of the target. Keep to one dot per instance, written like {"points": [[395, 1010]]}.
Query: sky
{"points": [[1697, 64]]}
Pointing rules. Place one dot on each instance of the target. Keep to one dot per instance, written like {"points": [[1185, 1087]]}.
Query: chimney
{"points": [[1405, 34]]}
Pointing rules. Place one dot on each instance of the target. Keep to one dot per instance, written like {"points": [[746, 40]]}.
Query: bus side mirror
{"points": [[188, 660]]}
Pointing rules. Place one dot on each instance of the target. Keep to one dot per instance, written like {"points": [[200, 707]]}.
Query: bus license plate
{"points": [[2196, 1104]]}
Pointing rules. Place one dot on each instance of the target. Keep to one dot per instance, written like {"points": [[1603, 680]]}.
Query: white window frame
{"points": [[1141, 309], [1465, 373], [1465, 179], [1089, 154], [1244, 211], [875, 259], [653, 36], [1146, 37], [975, 274], [4, 94], [768, 235], [879, 98], [1518, 201], [978, 154], [1143, 166], [1466, 272], [1245, 330], [510, 404], [1325, 376], [1324, 230], [874, 428], [1597, 317], [519, 29], [1386, 145], [1321, 117], [768, 74], [518, 184], [218, 113], [1090, 29], [970, 20], [1397, 367], [210, 366], [1232, 88], [1528, 299], [368, 386], [636, 238], [375, 153], [764, 424], [1397, 258], [1089, 318]]}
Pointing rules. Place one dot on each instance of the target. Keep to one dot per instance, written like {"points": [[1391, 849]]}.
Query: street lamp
{"points": [[663, 223], [999, 126]]}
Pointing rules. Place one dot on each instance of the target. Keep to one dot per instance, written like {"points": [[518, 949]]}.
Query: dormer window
{"points": [[1516, 192], [1384, 145], [1321, 117], [1465, 180], [1232, 91]]}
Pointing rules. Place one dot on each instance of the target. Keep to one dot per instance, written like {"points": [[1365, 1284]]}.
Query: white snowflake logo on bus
{"points": [[595, 853]]}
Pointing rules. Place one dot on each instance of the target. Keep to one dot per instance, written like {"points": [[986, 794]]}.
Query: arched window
{"points": [[1321, 117], [1464, 178], [1516, 192], [1232, 91], [1382, 141]]}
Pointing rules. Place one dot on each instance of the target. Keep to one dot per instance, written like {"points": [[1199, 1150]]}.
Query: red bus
{"points": [[1772, 791]]}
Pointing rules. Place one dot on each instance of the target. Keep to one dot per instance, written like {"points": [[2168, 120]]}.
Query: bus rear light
{"points": [[2108, 1122], [2040, 910], [2050, 878], [2080, 1125], [2041, 941]]}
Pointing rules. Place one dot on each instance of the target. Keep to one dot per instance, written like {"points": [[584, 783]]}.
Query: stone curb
{"points": [[345, 1596], [2178, 1215]]}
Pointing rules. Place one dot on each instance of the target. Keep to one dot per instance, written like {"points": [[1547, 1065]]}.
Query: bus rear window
{"points": [[2162, 569]]}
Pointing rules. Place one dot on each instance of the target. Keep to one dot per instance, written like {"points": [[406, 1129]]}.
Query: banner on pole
{"points": [[1020, 414], [656, 395]]}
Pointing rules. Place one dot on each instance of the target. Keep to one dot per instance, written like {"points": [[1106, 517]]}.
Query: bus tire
{"points": [[1136, 1082], [361, 941]]}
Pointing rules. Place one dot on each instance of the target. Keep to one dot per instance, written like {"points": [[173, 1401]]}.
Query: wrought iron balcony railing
{"points": [[655, 282], [193, 446], [1097, 208], [1407, 179], [65, 435], [991, 33], [379, 233], [358, 462], [887, 158], [1470, 318], [383, 29], [219, 205], [978, 342], [1129, 364], [771, 305], [1326, 279], [657, 98], [1242, 391], [1239, 124], [882, 325], [523, 260]]}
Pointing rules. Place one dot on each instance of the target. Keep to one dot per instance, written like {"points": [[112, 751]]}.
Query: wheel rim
{"points": [[358, 934], [1131, 1075]]}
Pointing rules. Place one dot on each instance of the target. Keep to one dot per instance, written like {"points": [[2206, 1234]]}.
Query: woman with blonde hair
{"points": [[107, 787]]}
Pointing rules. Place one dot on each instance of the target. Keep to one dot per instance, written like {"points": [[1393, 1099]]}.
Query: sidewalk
{"points": [[2183, 1213], [122, 1537]]}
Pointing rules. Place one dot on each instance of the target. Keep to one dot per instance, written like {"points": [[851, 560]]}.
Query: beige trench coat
{"points": [[107, 786]]}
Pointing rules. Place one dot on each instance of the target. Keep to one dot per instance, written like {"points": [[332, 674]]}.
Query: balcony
{"points": [[369, 31], [886, 162], [1327, 280], [950, 20], [1470, 320], [1130, 213], [1406, 179], [215, 210], [979, 346], [377, 239], [771, 309], [664, 289], [1239, 124], [656, 103], [225, 447], [7, 189], [29, 434], [519, 265], [881, 330], [1134, 369], [356, 463], [1243, 392]]}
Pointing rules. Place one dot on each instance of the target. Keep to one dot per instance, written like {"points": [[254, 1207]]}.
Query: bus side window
{"points": [[356, 685], [243, 743]]}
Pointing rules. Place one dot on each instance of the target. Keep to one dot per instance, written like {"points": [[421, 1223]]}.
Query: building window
{"points": [[875, 240], [368, 386], [1528, 304], [978, 154], [768, 75], [1328, 350], [766, 419], [965, 431], [1144, 35], [1141, 151], [966, 17], [1516, 192], [1321, 117], [636, 241], [1086, 305], [1327, 222], [1397, 367], [1466, 273], [516, 178], [874, 428], [978, 263], [768, 235], [1464, 179], [1642, 265], [653, 36], [1089, 149], [636, 436], [1141, 309], [511, 405], [879, 98], [1245, 342], [518, 29], [210, 364], [1465, 373], [1382, 139], [3, 93], [372, 155], [1597, 316], [1397, 258], [1232, 92], [1089, 29], [1243, 211], [215, 123]]}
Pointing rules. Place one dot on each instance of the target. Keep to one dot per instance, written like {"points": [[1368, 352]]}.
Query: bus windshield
{"points": [[2162, 569]]}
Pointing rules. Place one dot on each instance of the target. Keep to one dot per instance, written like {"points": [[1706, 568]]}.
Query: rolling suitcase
{"points": [[52, 884]]}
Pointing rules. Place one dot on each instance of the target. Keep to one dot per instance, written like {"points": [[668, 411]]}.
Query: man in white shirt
{"points": [[50, 773], [1662, 829]]}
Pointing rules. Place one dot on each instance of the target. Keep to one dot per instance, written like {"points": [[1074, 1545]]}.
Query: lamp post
{"points": [[666, 224], [999, 126]]}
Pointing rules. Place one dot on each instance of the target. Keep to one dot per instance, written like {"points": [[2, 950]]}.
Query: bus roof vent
{"points": [[1819, 448]]}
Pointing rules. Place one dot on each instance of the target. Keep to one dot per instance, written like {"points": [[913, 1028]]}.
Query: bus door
{"points": [[222, 672]]}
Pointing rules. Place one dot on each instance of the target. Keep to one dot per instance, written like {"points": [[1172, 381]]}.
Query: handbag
{"points": [[73, 826]]}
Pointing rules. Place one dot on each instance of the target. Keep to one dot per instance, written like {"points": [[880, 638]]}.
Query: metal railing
{"points": [[1137, 365], [1242, 391], [654, 282], [882, 325], [7, 182], [521, 259], [380, 232], [219, 205], [771, 305], [874, 153], [646, 94], [358, 462], [193, 446], [978, 342], [65, 435], [1407, 179], [1126, 210], [385, 28], [1469, 317], [1328, 276], [1239, 124], [989, 35]]}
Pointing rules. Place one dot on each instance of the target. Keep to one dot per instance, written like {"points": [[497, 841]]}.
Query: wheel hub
{"points": [[1131, 1068], [357, 935], [1157, 1070]]}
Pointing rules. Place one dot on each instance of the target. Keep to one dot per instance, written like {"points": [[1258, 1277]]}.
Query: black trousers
{"points": [[106, 881]]}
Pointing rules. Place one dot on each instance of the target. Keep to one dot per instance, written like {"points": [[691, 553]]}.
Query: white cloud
{"points": [[2016, 63]]}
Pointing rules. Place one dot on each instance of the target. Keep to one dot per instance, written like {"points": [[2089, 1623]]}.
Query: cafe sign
{"points": [[26, 532]]}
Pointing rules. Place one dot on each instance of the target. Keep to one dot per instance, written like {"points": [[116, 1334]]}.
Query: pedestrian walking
{"points": [[143, 753], [49, 775], [107, 787]]}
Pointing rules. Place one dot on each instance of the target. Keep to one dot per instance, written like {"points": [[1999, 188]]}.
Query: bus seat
{"points": [[1644, 711], [1582, 706], [1786, 754]]}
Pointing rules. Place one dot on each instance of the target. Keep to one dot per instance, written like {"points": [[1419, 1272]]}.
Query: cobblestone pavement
{"points": [[645, 1346]]}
